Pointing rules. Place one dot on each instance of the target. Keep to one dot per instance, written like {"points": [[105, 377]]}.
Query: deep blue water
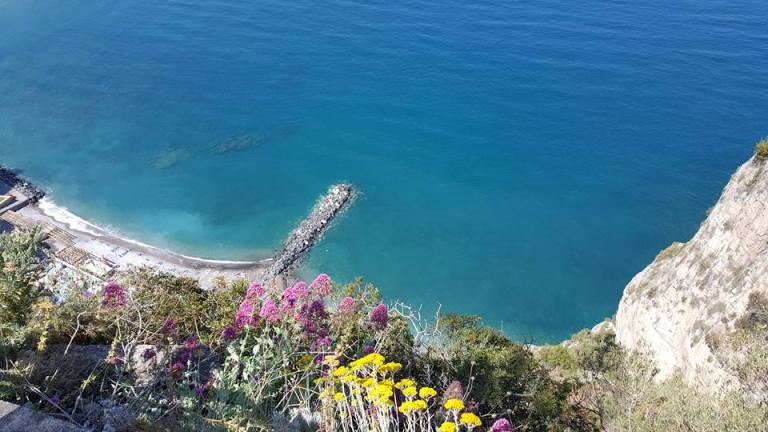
{"points": [[519, 160]]}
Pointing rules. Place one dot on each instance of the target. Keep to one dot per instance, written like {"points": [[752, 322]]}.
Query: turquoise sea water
{"points": [[519, 160]]}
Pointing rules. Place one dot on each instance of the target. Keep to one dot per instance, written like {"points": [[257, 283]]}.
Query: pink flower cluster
{"points": [[502, 425], [246, 314], [301, 303], [321, 285], [347, 305], [113, 296], [269, 312]]}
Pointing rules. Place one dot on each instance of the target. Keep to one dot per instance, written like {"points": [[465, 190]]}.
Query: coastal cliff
{"points": [[696, 290]]}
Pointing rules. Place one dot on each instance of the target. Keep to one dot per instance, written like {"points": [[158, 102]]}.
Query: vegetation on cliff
{"points": [[761, 149], [153, 351]]}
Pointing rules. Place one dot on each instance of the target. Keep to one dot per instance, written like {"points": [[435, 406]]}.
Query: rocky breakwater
{"points": [[701, 288], [301, 239], [12, 179]]}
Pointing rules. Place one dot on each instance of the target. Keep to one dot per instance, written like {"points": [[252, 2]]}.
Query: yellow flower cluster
{"points": [[372, 360], [468, 419], [454, 405], [370, 378], [370, 381], [409, 407], [447, 427]]}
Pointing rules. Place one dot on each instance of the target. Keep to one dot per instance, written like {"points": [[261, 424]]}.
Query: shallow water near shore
{"points": [[520, 161]]}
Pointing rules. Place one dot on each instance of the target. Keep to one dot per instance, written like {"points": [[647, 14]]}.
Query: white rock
{"points": [[704, 285]]}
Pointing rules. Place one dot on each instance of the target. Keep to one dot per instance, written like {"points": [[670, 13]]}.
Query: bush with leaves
{"points": [[620, 389], [744, 351], [21, 265], [761, 149], [167, 299], [506, 379]]}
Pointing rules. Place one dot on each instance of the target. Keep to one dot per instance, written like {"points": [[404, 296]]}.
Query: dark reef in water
{"points": [[241, 142]]}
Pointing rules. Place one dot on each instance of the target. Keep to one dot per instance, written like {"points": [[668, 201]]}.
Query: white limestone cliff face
{"points": [[702, 286]]}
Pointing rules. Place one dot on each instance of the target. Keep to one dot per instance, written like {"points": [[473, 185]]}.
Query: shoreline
{"points": [[96, 251], [71, 221], [102, 253], [127, 254]]}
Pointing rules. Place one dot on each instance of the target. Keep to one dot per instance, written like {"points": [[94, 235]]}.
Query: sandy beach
{"points": [[126, 254], [97, 252]]}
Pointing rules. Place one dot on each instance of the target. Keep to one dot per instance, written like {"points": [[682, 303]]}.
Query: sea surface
{"points": [[520, 160]]}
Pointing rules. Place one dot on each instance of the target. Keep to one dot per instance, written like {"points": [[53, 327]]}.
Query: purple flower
{"points": [[113, 296], [347, 305], [321, 285], [246, 314], [199, 390], [148, 353], [229, 333], [380, 316], [116, 360], [312, 317], [270, 312], [255, 291], [502, 425], [178, 367], [322, 342], [169, 325], [316, 310], [191, 343], [183, 357], [369, 349]]}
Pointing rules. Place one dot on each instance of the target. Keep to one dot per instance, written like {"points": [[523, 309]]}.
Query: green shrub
{"points": [[761, 149], [78, 318], [505, 377], [596, 353], [163, 297], [559, 357], [744, 351], [620, 389], [20, 269]]}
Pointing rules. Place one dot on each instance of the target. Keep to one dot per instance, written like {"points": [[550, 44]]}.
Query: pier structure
{"points": [[309, 231]]}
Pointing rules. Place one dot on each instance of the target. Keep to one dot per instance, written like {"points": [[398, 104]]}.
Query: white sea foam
{"points": [[74, 222], [64, 216]]}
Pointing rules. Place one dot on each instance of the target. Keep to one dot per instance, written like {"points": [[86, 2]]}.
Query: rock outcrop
{"points": [[14, 418], [701, 288]]}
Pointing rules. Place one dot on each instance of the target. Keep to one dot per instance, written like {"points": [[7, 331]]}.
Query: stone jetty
{"points": [[10, 178], [301, 239]]}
